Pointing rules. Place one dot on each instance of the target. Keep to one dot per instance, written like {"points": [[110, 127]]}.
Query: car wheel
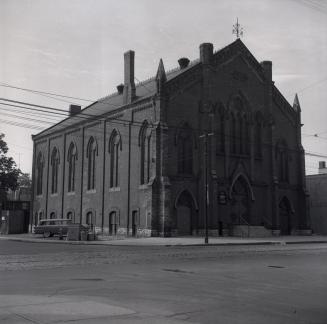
{"points": [[46, 234]]}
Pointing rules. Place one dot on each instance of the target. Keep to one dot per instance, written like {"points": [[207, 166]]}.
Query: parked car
{"points": [[53, 226]]}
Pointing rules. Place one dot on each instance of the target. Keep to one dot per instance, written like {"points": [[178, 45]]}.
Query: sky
{"points": [[75, 48]]}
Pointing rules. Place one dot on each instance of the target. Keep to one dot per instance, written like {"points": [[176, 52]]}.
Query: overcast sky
{"points": [[75, 48]]}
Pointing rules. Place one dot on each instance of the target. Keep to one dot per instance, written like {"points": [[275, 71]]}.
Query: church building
{"points": [[212, 144]]}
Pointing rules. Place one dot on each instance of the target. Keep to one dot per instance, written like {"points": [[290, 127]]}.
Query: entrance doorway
{"points": [[240, 202], [184, 214], [285, 211]]}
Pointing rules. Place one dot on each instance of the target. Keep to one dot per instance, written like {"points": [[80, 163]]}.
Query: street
{"points": [[59, 283]]}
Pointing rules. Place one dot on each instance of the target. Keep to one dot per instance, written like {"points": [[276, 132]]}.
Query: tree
{"points": [[9, 172]]}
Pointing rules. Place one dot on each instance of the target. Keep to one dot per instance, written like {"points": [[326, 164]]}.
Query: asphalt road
{"points": [[59, 283]]}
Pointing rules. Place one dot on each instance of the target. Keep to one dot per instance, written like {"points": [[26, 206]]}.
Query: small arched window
{"points": [[91, 153], [89, 219], [55, 169], [113, 223], [39, 173], [145, 153], [71, 158], [70, 216], [115, 147]]}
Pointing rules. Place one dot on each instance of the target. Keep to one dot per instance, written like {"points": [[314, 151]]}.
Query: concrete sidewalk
{"points": [[172, 241]]}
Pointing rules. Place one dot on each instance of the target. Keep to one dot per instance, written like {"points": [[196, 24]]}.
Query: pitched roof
{"points": [[146, 89]]}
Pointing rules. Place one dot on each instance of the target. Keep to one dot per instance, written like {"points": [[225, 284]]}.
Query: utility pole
{"points": [[205, 137]]}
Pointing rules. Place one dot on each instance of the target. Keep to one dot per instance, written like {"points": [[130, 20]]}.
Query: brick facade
{"points": [[255, 159]]}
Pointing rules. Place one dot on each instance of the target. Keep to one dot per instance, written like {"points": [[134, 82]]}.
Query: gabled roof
{"points": [[146, 89]]}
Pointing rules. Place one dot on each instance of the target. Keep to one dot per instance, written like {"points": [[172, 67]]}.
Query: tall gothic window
{"points": [[258, 136], [91, 153], [221, 134], [55, 169], [115, 146], [239, 128], [145, 153], [185, 150], [71, 158], [39, 173], [233, 134], [282, 161]]}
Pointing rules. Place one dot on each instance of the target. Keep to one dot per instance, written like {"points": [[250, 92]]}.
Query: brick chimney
{"points": [[206, 53], [74, 109], [129, 85]]}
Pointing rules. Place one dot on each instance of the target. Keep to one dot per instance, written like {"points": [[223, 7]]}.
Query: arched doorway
{"points": [[184, 213], [285, 211], [240, 195]]}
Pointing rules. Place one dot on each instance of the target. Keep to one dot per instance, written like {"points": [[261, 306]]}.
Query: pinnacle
{"points": [[161, 74], [296, 103]]}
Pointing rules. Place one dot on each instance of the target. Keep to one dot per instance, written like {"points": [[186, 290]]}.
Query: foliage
{"points": [[9, 172]]}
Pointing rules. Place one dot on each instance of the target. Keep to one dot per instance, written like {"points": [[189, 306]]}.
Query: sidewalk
{"points": [[172, 241]]}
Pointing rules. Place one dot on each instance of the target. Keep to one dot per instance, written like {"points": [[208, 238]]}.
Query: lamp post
{"points": [[205, 137]]}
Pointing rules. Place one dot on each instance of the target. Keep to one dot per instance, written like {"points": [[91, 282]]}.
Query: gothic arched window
{"points": [[233, 134], [55, 169], [145, 153], [185, 150], [71, 158], [258, 136], [39, 173], [115, 146], [282, 161], [91, 153], [221, 133]]}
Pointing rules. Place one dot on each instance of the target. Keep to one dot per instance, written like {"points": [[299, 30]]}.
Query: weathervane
{"points": [[237, 29]]}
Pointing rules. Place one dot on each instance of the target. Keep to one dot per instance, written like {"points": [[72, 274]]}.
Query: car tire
{"points": [[46, 234]]}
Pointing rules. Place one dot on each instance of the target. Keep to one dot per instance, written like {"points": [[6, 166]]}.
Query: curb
{"points": [[27, 240]]}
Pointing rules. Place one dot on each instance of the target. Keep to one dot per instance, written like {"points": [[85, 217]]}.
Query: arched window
{"points": [[282, 156], [115, 146], [39, 172], [54, 171], [71, 158], [70, 216], [113, 223], [91, 153], [40, 216], [258, 136], [185, 150], [145, 153], [221, 133], [52, 216], [233, 134], [89, 219]]}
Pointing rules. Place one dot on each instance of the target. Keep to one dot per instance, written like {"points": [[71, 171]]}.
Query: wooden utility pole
{"points": [[205, 137]]}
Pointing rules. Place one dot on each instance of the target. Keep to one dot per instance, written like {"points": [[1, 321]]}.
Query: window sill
{"points": [[71, 193], [91, 191], [55, 194], [113, 189]]}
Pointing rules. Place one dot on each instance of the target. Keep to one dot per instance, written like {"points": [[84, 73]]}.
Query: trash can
{"points": [[83, 235]]}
